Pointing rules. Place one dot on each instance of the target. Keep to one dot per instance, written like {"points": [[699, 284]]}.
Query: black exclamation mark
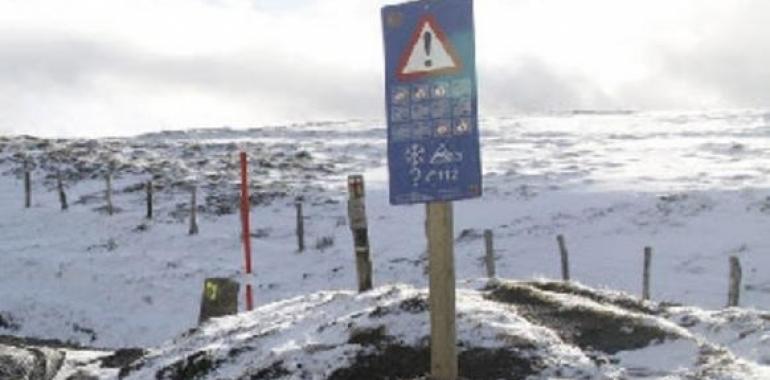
{"points": [[427, 38]]}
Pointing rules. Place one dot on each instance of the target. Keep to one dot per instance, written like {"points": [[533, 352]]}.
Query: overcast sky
{"points": [[117, 67]]}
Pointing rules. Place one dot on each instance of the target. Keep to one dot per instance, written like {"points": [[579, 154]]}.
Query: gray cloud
{"points": [[732, 61], [57, 78], [75, 62], [535, 86], [41, 64], [43, 59]]}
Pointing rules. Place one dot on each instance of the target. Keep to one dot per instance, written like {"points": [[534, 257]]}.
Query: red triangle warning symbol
{"points": [[428, 53]]}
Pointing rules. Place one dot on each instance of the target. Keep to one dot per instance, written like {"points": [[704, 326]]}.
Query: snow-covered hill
{"points": [[509, 331], [506, 330], [694, 186]]}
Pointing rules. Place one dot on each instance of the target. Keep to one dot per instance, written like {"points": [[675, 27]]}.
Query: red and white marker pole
{"points": [[245, 205]]}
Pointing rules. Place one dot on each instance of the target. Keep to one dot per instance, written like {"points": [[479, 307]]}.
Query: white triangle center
{"points": [[428, 54]]}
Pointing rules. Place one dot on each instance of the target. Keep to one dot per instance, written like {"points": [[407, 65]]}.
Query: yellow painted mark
{"points": [[212, 291]]}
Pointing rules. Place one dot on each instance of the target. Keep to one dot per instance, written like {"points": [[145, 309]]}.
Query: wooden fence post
{"points": [[149, 199], [110, 209], [27, 185], [734, 294], [360, 229], [443, 330], [300, 225], [490, 253], [194, 211], [62, 194], [564, 258], [646, 273]]}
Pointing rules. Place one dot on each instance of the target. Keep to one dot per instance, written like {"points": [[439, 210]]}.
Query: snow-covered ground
{"points": [[694, 186], [506, 330]]}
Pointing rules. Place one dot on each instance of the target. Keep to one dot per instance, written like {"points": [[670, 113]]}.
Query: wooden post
{"points": [[490, 253], [62, 194], [194, 211], [564, 258], [220, 298], [110, 209], [246, 229], [300, 225], [360, 229], [443, 333], [149, 199], [27, 185], [646, 274], [734, 294]]}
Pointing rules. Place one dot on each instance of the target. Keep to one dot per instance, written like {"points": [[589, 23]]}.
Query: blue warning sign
{"points": [[433, 136]]}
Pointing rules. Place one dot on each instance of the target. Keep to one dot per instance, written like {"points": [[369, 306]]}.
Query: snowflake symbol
{"points": [[414, 154]]}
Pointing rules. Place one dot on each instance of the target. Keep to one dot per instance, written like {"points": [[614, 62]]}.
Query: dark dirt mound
{"points": [[123, 358], [272, 372], [590, 327], [623, 301], [195, 366], [387, 359], [29, 363]]}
